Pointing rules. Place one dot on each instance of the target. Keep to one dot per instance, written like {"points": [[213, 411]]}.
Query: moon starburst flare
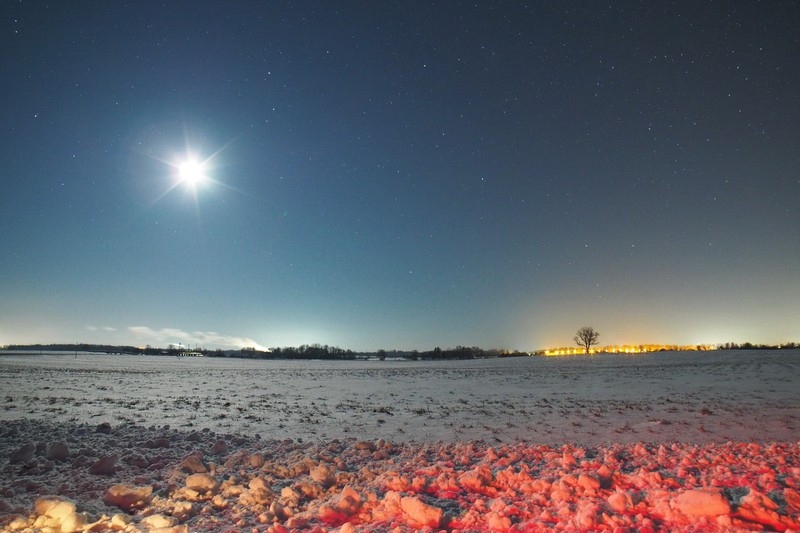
{"points": [[192, 173]]}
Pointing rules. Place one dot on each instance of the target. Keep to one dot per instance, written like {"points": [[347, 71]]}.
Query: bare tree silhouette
{"points": [[586, 337]]}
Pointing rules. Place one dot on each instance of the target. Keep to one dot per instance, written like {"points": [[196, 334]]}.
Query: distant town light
{"points": [[629, 349]]}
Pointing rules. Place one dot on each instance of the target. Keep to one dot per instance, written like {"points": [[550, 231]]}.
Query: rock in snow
{"points": [[192, 465], [59, 514], [105, 466], [201, 483], [324, 475], [702, 502], [421, 513], [128, 497], [23, 455], [620, 501], [57, 451], [219, 447]]}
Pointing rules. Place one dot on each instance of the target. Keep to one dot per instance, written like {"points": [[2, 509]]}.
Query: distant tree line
{"points": [[307, 351], [750, 346], [303, 352], [459, 352], [102, 348], [467, 352], [316, 351], [80, 347]]}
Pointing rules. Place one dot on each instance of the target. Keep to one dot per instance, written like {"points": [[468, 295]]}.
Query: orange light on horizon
{"points": [[628, 349]]}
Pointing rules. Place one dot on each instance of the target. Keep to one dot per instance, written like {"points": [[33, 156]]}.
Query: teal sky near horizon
{"points": [[400, 175]]}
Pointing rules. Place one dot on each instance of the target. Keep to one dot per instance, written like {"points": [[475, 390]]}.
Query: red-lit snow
{"points": [[348, 485]]}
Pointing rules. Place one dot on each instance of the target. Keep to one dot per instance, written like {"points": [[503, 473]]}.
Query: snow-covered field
{"points": [[532, 444], [686, 396]]}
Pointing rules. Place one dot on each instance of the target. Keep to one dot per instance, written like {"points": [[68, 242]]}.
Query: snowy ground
{"points": [[690, 396], [528, 444]]}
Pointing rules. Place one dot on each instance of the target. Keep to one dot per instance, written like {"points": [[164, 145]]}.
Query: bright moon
{"points": [[191, 172]]}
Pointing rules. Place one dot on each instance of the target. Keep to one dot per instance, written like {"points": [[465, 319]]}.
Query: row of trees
{"points": [[316, 351], [325, 352], [306, 351], [83, 347], [303, 352], [750, 346]]}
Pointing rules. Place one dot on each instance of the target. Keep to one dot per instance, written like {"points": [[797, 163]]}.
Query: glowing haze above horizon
{"points": [[399, 175]]}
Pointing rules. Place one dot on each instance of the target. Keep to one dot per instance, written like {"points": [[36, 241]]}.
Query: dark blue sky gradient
{"points": [[400, 176]]}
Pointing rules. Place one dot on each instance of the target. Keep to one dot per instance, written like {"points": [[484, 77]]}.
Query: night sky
{"points": [[399, 175]]}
